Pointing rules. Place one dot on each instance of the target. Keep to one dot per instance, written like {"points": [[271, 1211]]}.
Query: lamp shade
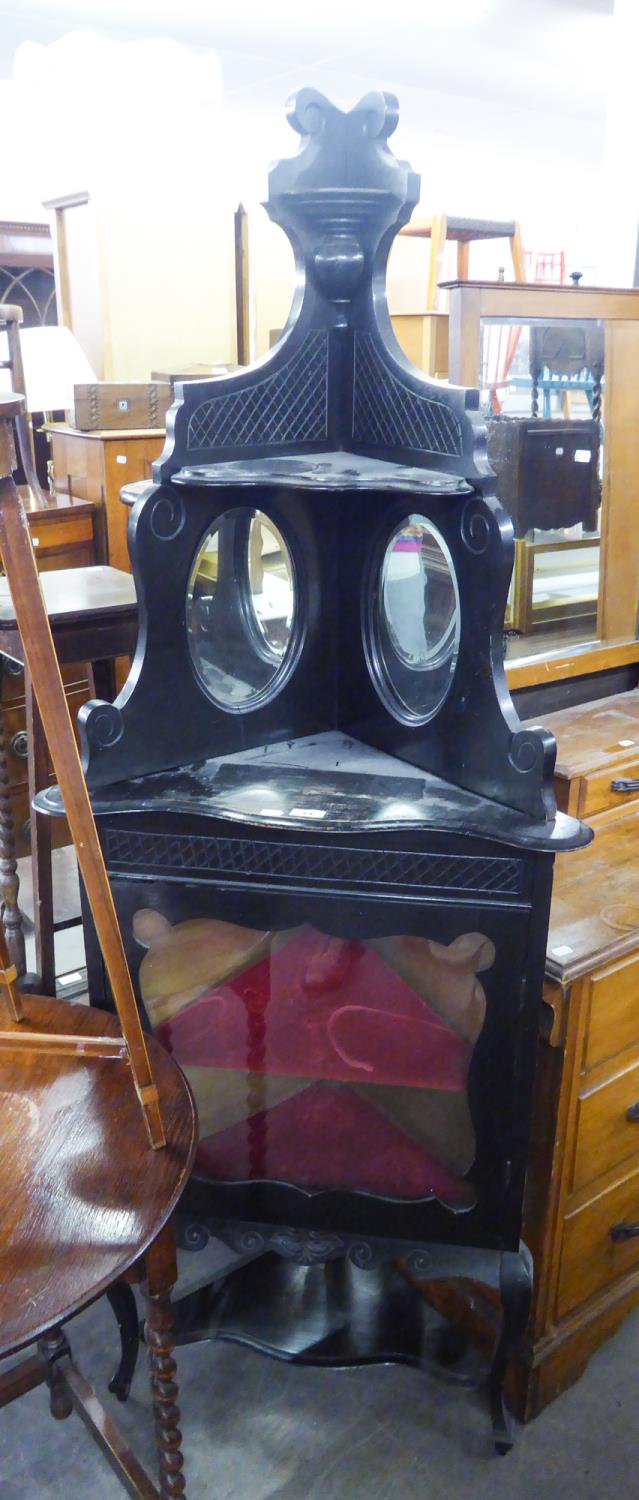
{"points": [[53, 363]]}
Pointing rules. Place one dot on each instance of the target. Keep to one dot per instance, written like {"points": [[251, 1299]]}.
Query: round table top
{"points": [[82, 1193]]}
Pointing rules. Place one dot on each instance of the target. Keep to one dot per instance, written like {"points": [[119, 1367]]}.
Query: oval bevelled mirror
{"points": [[241, 609], [415, 621]]}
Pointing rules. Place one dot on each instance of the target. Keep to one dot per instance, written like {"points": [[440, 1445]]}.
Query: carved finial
{"points": [[343, 190]]}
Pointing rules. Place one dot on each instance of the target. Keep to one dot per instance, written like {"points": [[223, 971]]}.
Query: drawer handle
{"points": [[19, 745], [624, 1231], [633, 1112], [625, 784], [11, 668]]}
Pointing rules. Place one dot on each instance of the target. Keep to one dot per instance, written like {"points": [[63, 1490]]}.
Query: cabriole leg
{"points": [[515, 1285], [122, 1300]]}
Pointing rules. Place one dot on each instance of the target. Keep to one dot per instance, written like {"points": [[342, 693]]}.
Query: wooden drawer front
{"points": [[590, 1258], [72, 673], [605, 1135], [15, 742], [16, 735], [12, 681], [596, 793], [49, 535], [614, 1012]]}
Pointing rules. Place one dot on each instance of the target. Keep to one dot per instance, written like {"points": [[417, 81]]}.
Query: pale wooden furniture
{"points": [[424, 335], [582, 1196], [95, 466], [576, 560], [424, 339], [116, 405], [464, 232], [84, 1202], [614, 635]]}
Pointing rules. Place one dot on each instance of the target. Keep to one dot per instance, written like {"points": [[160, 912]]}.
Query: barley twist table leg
{"points": [[9, 882], [161, 1273]]}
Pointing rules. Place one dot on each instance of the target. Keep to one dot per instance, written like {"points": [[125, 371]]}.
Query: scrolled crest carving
{"points": [[532, 750], [167, 516], [104, 724], [475, 527], [344, 187]]}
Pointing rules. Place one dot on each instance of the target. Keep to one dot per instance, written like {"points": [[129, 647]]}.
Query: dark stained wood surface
{"points": [[594, 916], [591, 736], [72, 593], [82, 1194]]}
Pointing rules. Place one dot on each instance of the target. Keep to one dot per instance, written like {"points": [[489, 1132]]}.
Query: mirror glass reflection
{"points": [[240, 608], [543, 394], [417, 619]]}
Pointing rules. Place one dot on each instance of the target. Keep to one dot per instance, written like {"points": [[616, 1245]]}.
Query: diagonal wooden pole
{"points": [[42, 664]]}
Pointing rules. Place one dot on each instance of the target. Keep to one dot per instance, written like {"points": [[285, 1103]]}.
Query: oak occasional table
{"points": [[79, 1212]]}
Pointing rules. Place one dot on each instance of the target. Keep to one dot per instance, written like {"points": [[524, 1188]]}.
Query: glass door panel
{"points": [[321, 1061]]}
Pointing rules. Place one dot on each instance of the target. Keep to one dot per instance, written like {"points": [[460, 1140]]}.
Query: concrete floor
{"points": [[255, 1429]]}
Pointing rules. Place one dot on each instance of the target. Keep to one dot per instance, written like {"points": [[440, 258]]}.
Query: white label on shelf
{"points": [[562, 951], [559, 452], [307, 812], [120, 458], [582, 455], [271, 812], [627, 742]]}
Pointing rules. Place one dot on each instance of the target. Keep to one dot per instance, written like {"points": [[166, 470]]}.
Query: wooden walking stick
{"points": [[42, 664]]}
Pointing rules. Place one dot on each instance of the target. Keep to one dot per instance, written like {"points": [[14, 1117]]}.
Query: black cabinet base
{"points": [[336, 1314]]}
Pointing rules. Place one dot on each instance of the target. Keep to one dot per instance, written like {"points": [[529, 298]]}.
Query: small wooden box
{"points": [[105, 405], [547, 471]]}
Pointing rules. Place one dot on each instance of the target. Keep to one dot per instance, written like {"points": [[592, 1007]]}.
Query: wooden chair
{"points": [[84, 1199], [42, 664], [10, 320], [443, 227], [93, 616]]}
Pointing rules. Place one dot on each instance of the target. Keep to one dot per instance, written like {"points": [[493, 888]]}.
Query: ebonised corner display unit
{"points": [[329, 837]]}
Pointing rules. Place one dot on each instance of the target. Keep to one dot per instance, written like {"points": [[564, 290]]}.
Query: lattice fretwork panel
{"points": [[387, 414], [318, 864], [289, 406]]}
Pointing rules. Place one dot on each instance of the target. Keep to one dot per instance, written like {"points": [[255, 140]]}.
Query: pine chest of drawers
{"points": [[582, 1198]]}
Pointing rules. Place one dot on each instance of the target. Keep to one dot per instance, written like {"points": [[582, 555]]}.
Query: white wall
{"points": [[503, 118]]}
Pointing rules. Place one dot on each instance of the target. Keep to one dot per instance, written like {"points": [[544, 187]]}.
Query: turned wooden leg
{"points": [[161, 1275], [54, 1348], [9, 882]]}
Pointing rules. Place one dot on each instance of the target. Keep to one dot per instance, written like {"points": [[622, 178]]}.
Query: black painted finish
{"points": [[322, 804], [339, 440]]}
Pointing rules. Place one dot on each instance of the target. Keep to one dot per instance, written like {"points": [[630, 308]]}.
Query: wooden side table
{"points": [[93, 615], [84, 1202]]}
